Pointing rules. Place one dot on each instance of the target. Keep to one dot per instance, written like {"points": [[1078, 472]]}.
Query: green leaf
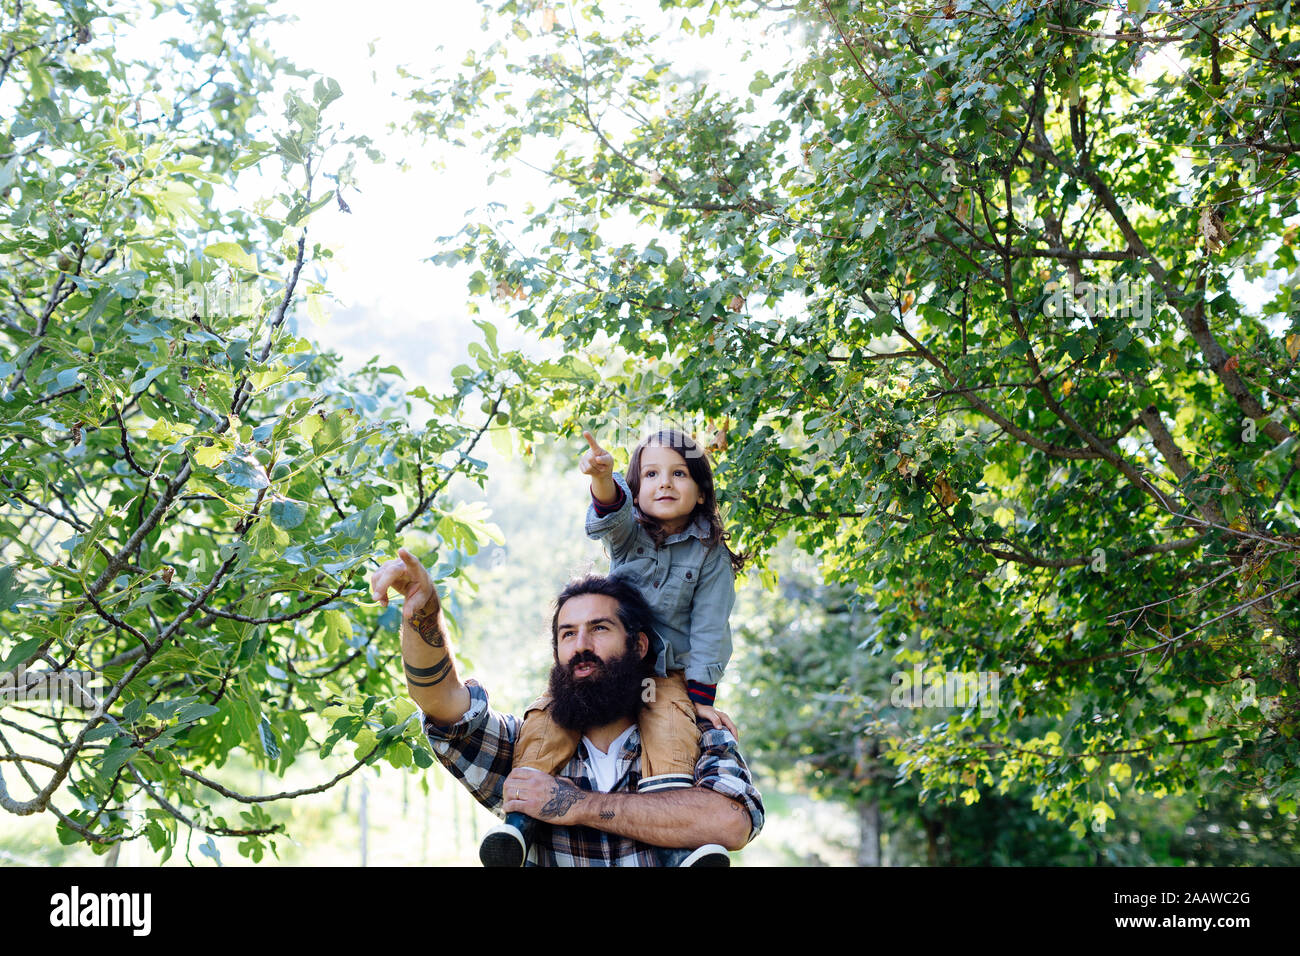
{"points": [[244, 471], [119, 753], [254, 154], [11, 591], [288, 514], [195, 711], [338, 629], [325, 92], [67, 836], [144, 381], [209, 456], [209, 849], [357, 531], [19, 654], [303, 209], [86, 542], [489, 333], [232, 253], [290, 149], [270, 746]]}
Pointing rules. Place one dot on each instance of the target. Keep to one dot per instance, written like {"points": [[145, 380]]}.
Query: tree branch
{"points": [[286, 795]]}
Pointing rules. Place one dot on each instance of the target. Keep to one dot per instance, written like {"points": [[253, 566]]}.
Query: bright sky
{"points": [[391, 303]]}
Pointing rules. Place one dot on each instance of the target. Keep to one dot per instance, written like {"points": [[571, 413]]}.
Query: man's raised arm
{"points": [[427, 660]]}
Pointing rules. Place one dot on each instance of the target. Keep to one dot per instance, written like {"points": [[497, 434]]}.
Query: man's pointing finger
{"points": [[380, 584]]}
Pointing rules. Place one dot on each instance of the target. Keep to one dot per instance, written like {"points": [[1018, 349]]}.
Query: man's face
{"points": [[589, 633], [597, 676]]}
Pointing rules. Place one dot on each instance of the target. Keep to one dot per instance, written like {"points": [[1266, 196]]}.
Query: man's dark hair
{"points": [[633, 611]]}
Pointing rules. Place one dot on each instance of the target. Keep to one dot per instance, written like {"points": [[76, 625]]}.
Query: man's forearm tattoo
{"points": [[426, 625], [563, 797], [427, 676], [607, 814]]}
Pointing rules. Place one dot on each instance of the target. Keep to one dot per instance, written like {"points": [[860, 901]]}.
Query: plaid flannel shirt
{"points": [[477, 749]]}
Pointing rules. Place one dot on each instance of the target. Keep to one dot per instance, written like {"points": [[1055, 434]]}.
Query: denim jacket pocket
{"points": [[678, 585], [639, 570]]}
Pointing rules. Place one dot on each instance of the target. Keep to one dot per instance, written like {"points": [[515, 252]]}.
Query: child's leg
{"points": [[670, 748], [543, 744], [670, 738]]}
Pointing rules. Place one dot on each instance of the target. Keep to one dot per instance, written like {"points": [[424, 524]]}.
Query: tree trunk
{"points": [[866, 751], [424, 833], [362, 813], [869, 833]]}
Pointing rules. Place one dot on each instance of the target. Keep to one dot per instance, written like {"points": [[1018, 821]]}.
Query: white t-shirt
{"points": [[603, 767]]}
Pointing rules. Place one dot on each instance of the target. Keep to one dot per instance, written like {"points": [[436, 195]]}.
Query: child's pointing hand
{"points": [[595, 461]]}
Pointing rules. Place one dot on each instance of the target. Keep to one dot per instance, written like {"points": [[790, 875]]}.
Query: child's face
{"points": [[668, 493]]}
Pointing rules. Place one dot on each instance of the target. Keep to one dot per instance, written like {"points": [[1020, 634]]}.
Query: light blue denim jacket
{"points": [[690, 587]]}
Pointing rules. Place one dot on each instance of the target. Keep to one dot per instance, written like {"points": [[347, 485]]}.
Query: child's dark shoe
{"points": [[711, 854], [506, 844]]}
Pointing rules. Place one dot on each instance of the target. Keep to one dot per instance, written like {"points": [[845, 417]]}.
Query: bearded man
{"points": [[590, 814]]}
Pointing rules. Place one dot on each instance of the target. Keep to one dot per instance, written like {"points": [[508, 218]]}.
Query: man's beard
{"points": [[612, 692]]}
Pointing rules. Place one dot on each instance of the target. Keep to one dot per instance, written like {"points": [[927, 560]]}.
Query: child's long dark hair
{"points": [[701, 471]]}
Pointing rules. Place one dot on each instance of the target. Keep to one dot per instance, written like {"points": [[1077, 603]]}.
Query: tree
{"points": [[834, 730], [191, 494], [804, 717], [992, 305]]}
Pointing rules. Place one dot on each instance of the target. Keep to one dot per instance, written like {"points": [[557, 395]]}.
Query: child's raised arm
{"points": [[599, 464]]}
